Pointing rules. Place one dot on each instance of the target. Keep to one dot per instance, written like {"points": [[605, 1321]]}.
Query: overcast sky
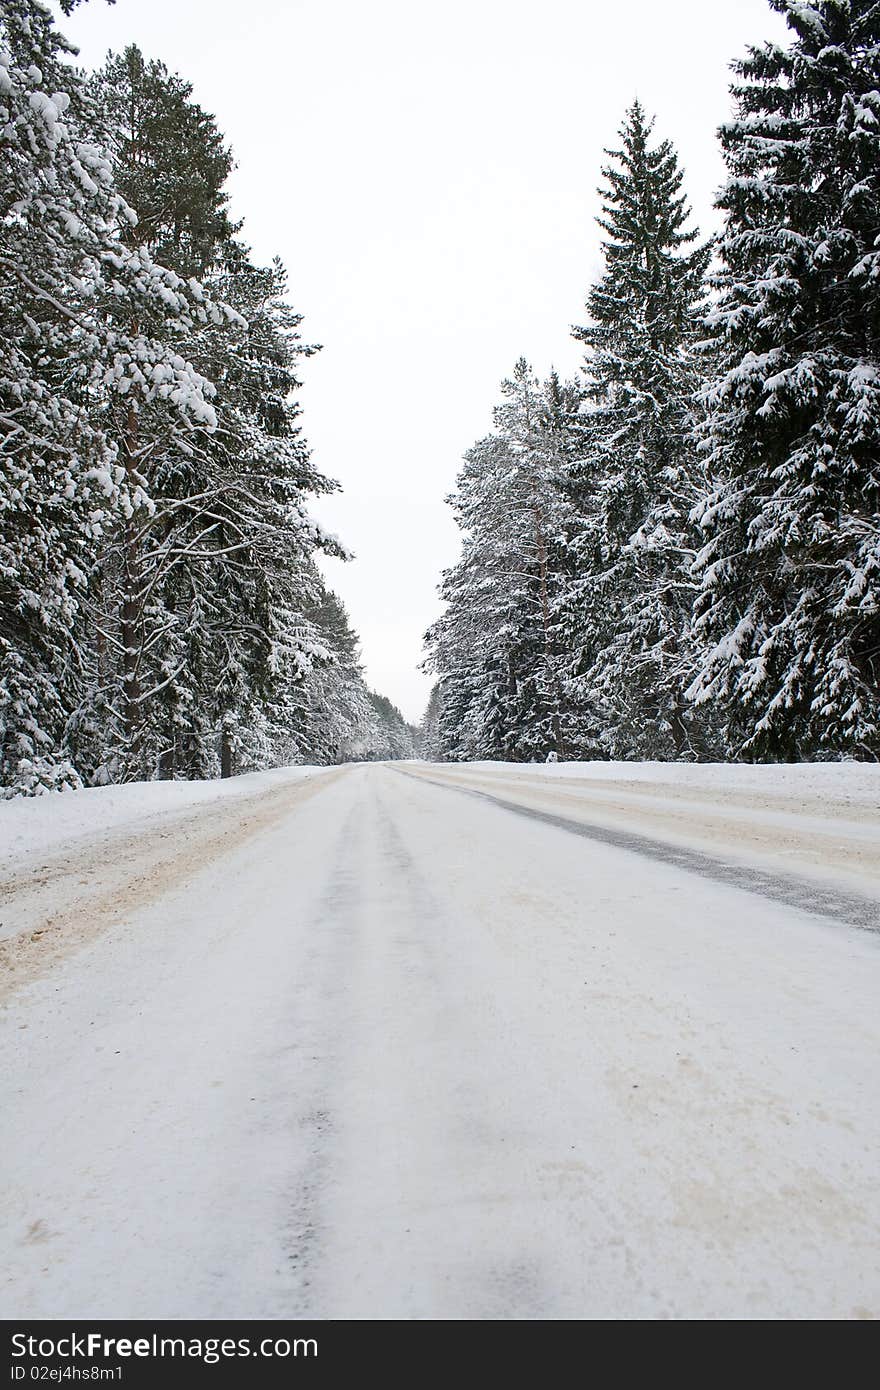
{"points": [[428, 175]]}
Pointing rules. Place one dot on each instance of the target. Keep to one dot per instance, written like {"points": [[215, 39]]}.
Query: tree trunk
{"points": [[131, 614], [677, 725], [541, 548], [227, 751]]}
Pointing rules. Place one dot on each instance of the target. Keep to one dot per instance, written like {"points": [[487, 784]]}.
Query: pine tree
{"points": [[389, 737], [496, 649], [334, 716], [66, 366], [156, 572], [238, 558], [151, 633], [430, 742], [790, 603], [172, 162], [636, 476], [207, 587]]}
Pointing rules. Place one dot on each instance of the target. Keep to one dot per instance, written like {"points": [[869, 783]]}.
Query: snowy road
{"points": [[367, 1043]]}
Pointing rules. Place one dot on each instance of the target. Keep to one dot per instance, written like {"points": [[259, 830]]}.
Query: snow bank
{"points": [[836, 781], [38, 825]]}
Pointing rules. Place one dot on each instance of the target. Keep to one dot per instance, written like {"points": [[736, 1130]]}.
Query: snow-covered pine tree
{"points": [[528, 421], [65, 366], [147, 637], [389, 737], [466, 645], [172, 162], [222, 557], [238, 557], [496, 648], [430, 746], [790, 602], [636, 477], [334, 717]]}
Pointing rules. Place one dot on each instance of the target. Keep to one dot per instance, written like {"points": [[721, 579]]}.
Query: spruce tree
{"points": [[636, 475], [790, 604]]}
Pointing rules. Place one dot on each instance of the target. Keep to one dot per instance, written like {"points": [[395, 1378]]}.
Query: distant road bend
{"points": [[424, 1041]]}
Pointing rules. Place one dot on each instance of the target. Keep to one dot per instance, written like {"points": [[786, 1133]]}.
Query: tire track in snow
{"points": [[410, 1147], [324, 986], [849, 909]]}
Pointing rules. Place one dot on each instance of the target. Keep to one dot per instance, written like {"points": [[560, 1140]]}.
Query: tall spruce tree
{"points": [[790, 603], [469, 647], [636, 476]]}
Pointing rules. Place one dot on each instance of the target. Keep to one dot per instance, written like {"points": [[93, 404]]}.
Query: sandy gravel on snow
{"points": [[78, 888]]}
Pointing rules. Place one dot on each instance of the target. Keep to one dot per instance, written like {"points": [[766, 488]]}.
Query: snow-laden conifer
{"points": [[77, 354], [636, 476], [496, 648], [221, 558], [790, 603]]}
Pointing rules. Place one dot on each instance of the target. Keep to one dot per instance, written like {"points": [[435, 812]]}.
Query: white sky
{"points": [[428, 175]]}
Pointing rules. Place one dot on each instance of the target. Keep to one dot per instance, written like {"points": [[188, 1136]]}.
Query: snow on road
{"points": [[70, 864], [819, 821], [362, 1044]]}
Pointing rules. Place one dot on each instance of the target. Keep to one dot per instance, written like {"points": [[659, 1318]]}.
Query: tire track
{"points": [[850, 909]]}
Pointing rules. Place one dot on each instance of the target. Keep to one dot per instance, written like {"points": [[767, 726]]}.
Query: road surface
{"points": [[461, 1043]]}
